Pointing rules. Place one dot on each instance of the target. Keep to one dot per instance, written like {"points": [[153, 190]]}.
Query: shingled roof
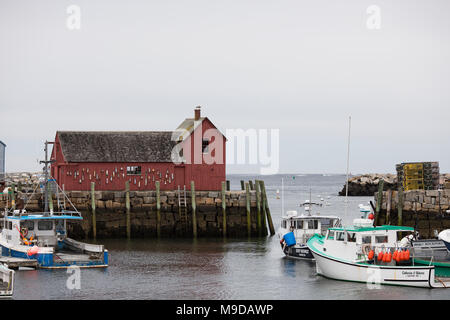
{"points": [[117, 146]]}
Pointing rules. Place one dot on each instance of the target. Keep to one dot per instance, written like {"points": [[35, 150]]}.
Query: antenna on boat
{"points": [[46, 162], [348, 163], [282, 195]]}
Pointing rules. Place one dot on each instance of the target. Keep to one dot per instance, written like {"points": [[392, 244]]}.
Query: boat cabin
{"points": [[305, 226], [354, 243], [40, 230]]}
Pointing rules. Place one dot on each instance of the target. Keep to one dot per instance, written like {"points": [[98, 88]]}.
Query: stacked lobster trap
{"points": [[418, 175]]}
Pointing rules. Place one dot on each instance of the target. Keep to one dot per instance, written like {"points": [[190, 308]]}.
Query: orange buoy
{"points": [[371, 216], [33, 250], [402, 255], [394, 256], [380, 256], [389, 257], [407, 254], [371, 254]]}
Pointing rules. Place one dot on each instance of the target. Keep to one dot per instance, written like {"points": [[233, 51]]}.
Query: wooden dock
{"points": [[15, 263]]}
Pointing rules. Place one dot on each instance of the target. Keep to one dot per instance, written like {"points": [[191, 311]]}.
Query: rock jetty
{"points": [[367, 184]]}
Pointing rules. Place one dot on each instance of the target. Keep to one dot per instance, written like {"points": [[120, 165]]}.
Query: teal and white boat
{"points": [[351, 254]]}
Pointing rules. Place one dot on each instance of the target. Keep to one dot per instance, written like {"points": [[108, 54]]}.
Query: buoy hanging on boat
{"points": [[380, 256], [371, 254], [371, 216], [32, 251], [395, 255], [389, 257], [407, 254]]}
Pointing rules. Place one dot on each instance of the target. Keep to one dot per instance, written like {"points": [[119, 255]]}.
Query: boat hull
{"points": [[51, 260], [6, 282], [373, 274], [442, 269], [447, 244], [298, 252], [338, 269]]}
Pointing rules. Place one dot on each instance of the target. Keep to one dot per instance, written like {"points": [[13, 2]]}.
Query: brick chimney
{"points": [[197, 113]]}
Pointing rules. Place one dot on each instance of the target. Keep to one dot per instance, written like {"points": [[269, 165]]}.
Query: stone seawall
{"points": [[427, 211], [111, 213]]}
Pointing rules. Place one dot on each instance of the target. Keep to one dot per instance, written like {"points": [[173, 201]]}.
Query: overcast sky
{"points": [[298, 66]]}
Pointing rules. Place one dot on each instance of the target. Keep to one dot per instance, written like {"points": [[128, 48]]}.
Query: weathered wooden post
{"points": [[266, 205], [242, 185], [252, 187], [158, 208], [400, 206], [247, 203], [388, 206], [258, 207], [263, 208], [224, 209], [228, 185], [194, 209], [128, 207], [94, 218], [379, 201]]}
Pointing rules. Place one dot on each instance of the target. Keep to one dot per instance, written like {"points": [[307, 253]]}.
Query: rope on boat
{"points": [[34, 191], [442, 282]]}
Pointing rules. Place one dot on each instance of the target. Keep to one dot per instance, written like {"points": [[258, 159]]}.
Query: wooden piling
{"points": [[158, 208], [194, 209], [388, 206], [258, 207], [247, 202], [252, 187], [128, 207], [228, 185], [263, 208], [266, 205], [242, 185], [379, 201], [224, 209], [400, 206], [94, 218]]}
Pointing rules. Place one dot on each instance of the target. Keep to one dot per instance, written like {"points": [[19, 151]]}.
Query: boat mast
{"points": [[46, 162], [348, 163], [282, 196]]}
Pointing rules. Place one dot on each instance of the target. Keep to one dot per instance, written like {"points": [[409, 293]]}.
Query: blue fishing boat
{"points": [[42, 236]]}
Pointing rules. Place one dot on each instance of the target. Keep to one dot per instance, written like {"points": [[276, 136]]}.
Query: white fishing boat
{"points": [[6, 282], [295, 230], [374, 255]]}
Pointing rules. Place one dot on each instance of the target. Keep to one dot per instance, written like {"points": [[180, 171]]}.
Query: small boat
{"points": [[445, 237], [296, 230], [43, 235], [6, 282], [373, 255], [432, 252]]}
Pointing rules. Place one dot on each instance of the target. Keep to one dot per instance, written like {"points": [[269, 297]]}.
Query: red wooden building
{"points": [[195, 151]]}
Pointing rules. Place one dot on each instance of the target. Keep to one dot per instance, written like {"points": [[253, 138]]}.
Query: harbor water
{"points": [[231, 269]]}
